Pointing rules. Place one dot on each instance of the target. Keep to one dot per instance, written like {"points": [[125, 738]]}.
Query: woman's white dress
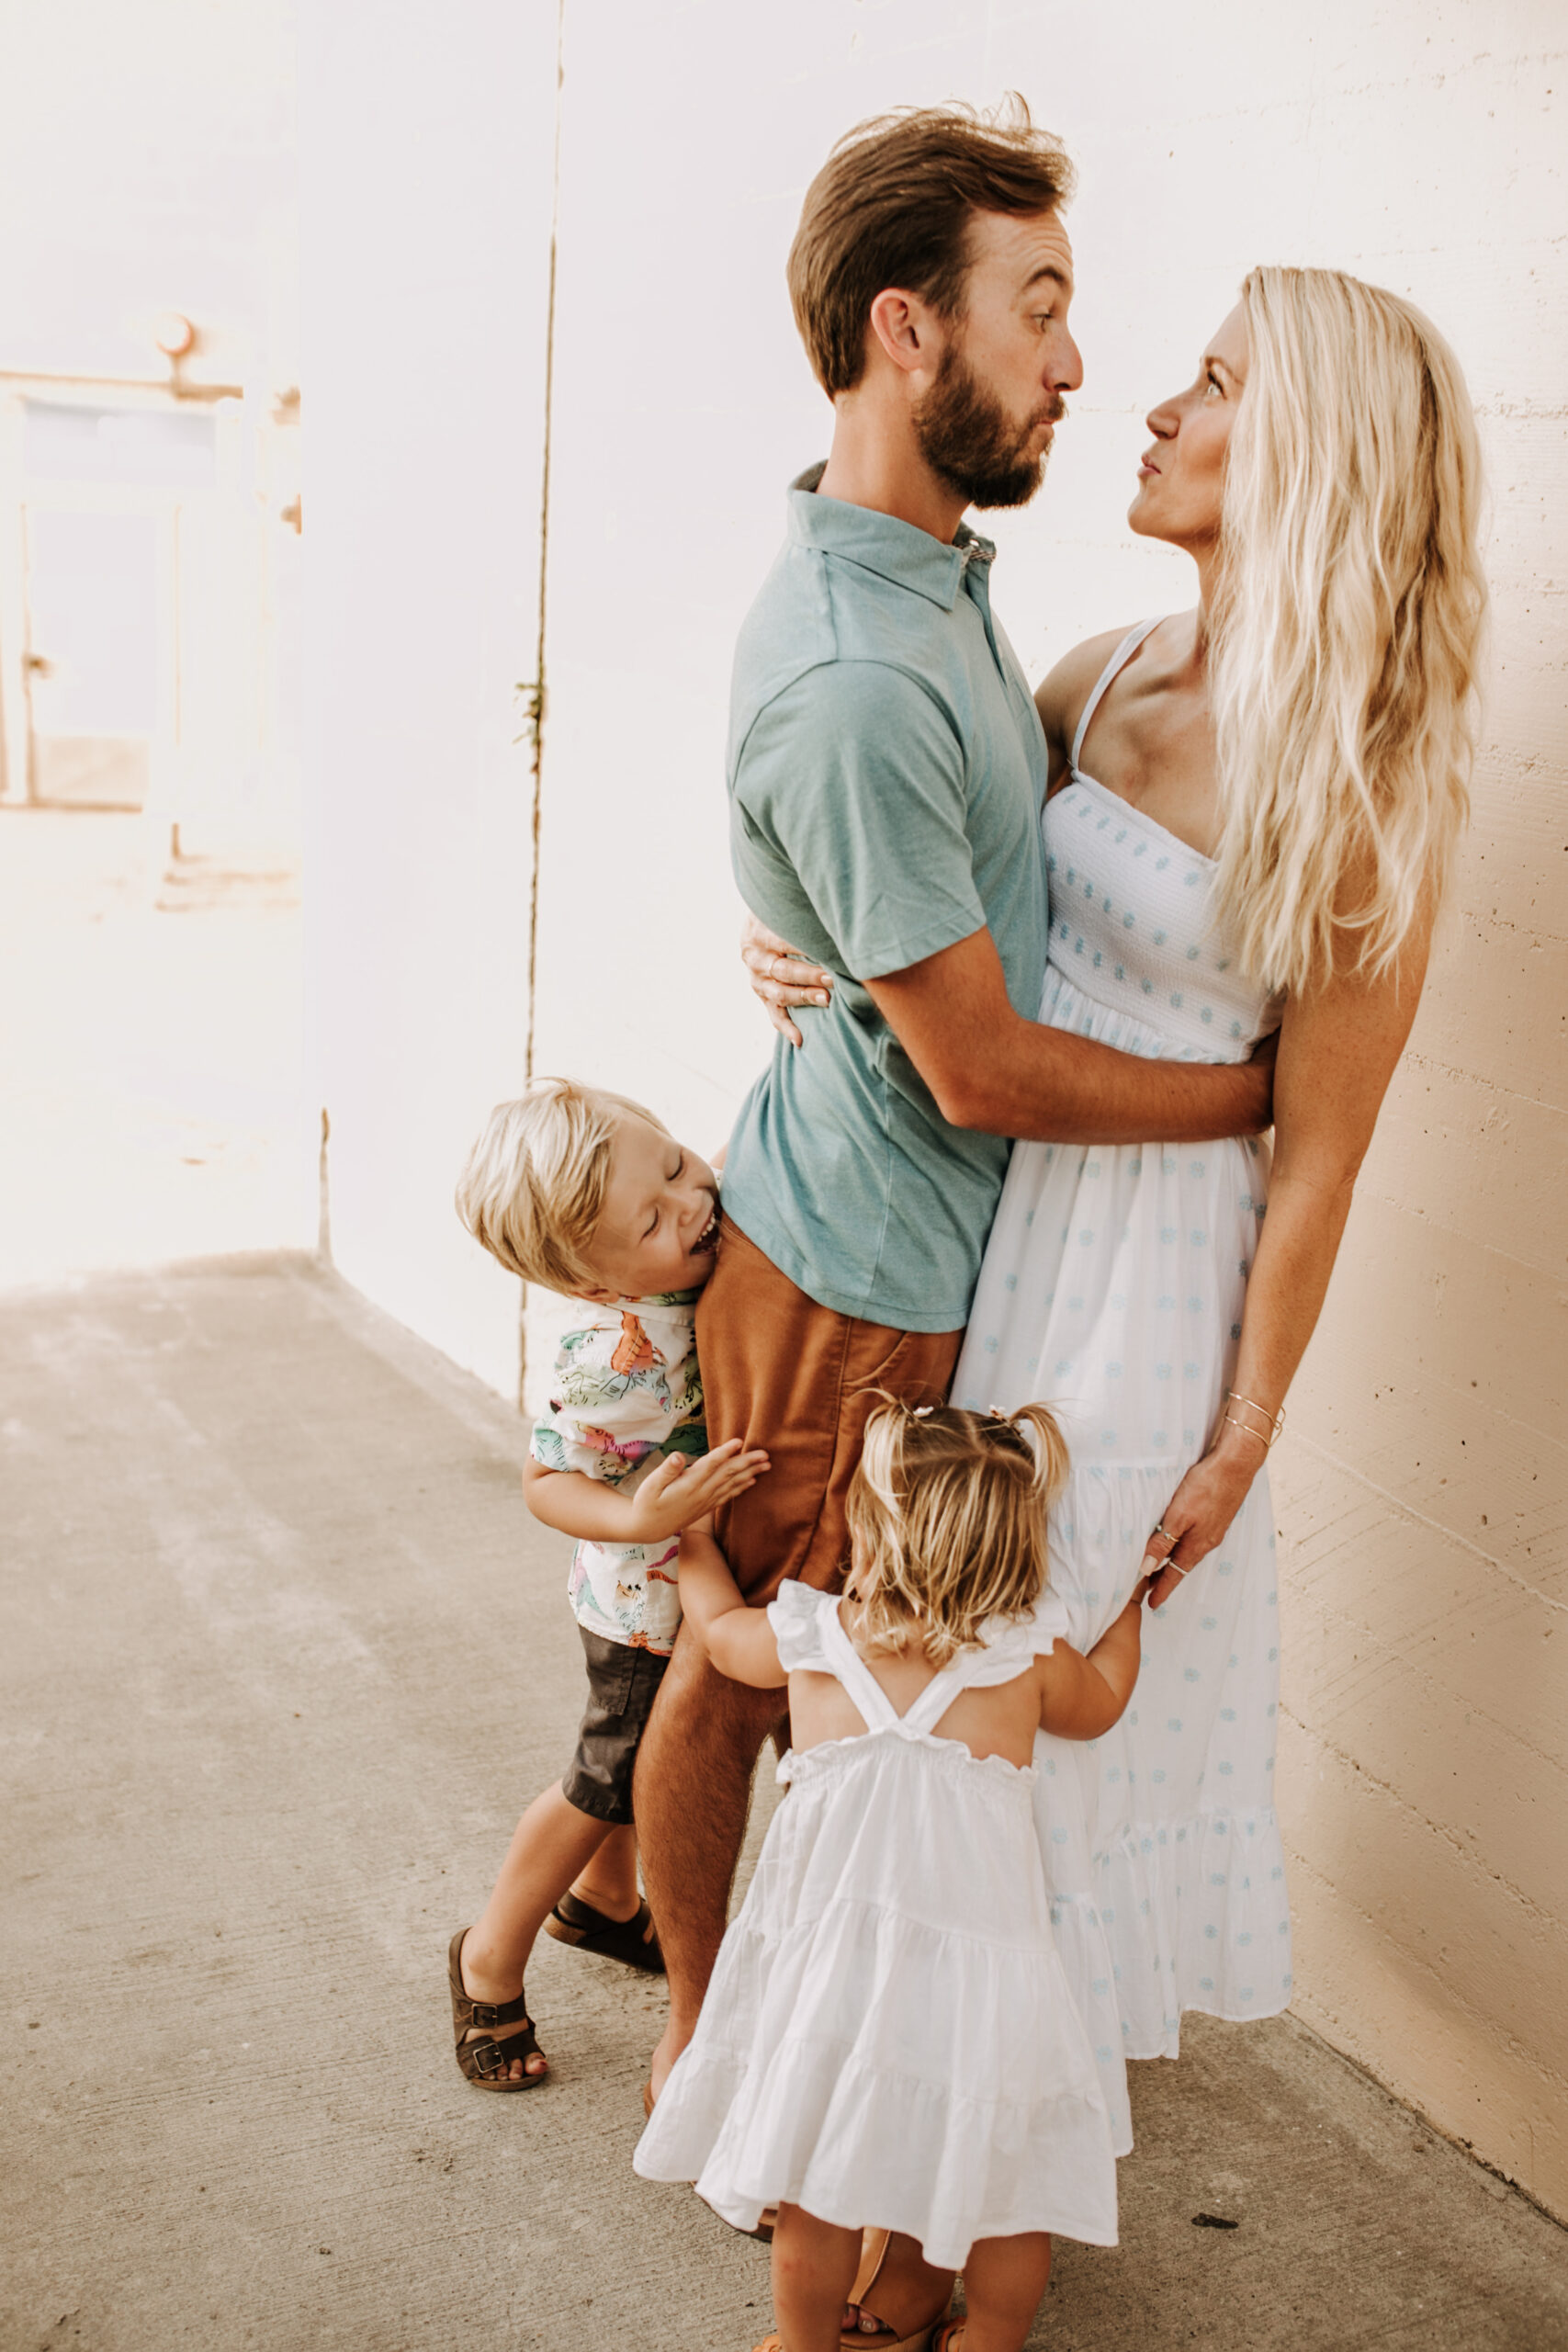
{"points": [[889, 2039], [1112, 1289]]}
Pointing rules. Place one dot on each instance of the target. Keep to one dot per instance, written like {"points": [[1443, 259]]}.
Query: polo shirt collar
{"points": [[899, 551]]}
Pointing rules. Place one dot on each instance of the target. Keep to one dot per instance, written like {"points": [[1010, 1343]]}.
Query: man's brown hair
{"points": [[891, 206]]}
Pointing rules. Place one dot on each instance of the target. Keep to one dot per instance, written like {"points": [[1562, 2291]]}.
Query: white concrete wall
{"points": [[428, 141], [1422, 1772]]}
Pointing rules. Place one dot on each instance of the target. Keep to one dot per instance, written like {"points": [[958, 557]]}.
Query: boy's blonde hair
{"points": [[533, 1188], [947, 1521]]}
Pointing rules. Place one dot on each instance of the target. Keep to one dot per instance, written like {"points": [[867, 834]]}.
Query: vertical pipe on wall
{"points": [[537, 705], [536, 692]]}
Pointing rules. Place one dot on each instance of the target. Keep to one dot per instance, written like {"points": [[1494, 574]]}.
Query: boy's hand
{"points": [[682, 1490]]}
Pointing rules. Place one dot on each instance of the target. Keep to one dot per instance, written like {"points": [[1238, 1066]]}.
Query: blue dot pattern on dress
{"points": [[1168, 1884]]}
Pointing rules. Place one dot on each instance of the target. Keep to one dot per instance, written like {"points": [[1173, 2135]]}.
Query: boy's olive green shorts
{"points": [[623, 1683]]}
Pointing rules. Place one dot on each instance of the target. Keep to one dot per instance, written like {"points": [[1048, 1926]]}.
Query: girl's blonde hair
{"points": [[1345, 626], [533, 1187], [947, 1522]]}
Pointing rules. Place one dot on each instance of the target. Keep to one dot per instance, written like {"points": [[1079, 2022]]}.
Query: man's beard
{"points": [[968, 440]]}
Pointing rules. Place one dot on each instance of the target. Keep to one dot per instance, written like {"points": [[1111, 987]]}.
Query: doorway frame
{"points": [[16, 387]]}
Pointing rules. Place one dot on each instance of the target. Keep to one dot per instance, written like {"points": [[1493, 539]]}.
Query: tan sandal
{"points": [[484, 2061], [873, 2254], [936, 2336], [950, 2334]]}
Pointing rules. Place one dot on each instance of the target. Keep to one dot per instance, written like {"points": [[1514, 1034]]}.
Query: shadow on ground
{"points": [[282, 1659]]}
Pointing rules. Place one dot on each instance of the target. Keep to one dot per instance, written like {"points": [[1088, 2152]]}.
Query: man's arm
{"points": [[991, 1069]]}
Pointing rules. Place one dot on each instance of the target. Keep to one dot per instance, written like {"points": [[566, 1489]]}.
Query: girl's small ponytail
{"points": [[1052, 1462]]}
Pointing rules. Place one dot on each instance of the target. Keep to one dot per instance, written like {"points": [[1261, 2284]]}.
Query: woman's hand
{"points": [[1199, 1514], [682, 1489], [780, 977]]}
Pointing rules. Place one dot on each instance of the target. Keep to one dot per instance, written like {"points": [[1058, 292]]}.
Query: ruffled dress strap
{"points": [[925, 1713], [812, 1640], [1048, 1623], [1008, 1650], [796, 1614], [876, 1708], [1118, 660]]}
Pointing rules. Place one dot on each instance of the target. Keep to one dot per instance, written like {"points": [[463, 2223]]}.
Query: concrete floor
{"points": [[282, 1657]]}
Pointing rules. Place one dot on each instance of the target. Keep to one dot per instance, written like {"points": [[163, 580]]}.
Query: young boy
{"points": [[588, 1194]]}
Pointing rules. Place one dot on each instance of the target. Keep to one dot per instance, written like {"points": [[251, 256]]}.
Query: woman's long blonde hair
{"points": [[947, 1522], [1345, 627]]}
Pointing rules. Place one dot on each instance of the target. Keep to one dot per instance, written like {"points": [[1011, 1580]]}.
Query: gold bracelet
{"points": [[1246, 1431], [1276, 1420]]}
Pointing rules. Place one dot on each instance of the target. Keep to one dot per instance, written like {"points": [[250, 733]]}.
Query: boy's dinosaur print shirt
{"points": [[624, 1393]]}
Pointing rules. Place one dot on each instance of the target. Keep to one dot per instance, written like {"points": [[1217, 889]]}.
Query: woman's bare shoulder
{"points": [[1064, 691]]}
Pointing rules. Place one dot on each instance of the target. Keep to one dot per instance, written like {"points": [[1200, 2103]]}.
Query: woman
{"points": [[1252, 811]]}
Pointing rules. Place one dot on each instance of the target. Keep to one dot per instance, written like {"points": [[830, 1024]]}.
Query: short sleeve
{"points": [[1048, 1623], [1010, 1644], [854, 780], [599, 1421], [795, 1616]]}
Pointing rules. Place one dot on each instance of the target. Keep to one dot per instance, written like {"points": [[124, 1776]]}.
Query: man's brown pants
{"points": [[801, 1380]]}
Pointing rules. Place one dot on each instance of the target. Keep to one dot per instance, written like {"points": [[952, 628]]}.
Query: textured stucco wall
{"points": [[1421, 1493]]}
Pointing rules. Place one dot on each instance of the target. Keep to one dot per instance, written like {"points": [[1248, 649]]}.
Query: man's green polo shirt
{"points": [[887, 775]]}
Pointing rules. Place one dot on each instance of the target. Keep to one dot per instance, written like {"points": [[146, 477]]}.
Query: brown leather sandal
{"points": [[632, 1940], [485, 2062]]}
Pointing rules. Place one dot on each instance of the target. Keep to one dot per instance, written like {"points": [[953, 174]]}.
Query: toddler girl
{"points": [[888, 2039]]}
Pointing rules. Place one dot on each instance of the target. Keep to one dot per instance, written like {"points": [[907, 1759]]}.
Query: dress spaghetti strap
{"points": [[1118, 660]]}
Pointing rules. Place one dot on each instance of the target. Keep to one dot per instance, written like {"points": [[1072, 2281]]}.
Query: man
{"points": [[887, 773]]}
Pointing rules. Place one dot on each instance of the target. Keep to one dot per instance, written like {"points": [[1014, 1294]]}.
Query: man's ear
{"points": [[908, 330]]}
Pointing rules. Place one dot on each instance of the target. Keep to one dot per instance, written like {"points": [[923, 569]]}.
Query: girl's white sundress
{"points": [[889, 2039], [1112, 1289]]}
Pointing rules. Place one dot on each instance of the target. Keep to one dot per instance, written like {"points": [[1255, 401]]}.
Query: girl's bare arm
{"points": [[739, 1639], [1081, 1697]]}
